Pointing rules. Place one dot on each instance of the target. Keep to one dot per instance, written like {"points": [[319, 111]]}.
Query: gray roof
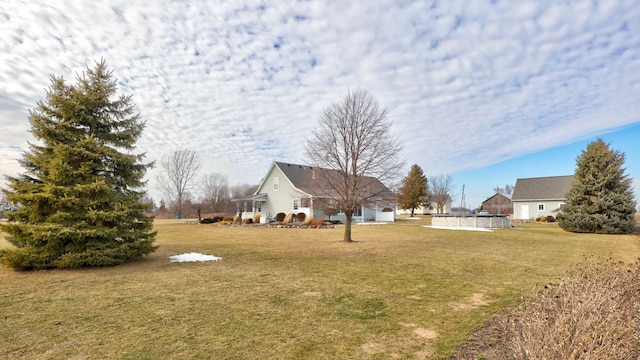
{"points": [[542, 188], [309, 179], [505, 195], [301, 176]]}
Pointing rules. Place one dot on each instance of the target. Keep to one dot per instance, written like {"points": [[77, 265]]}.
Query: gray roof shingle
{"points": [[309, 179], [542, 188]]}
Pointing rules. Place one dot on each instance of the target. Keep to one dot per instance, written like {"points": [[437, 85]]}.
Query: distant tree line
{"points": [[507, 189], [192, 197]]}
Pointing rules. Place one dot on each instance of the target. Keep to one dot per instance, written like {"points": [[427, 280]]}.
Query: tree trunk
{"points": [[347, 227]]}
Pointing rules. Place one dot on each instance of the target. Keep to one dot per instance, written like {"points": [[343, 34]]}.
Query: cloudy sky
{"points": [[474, 88]]}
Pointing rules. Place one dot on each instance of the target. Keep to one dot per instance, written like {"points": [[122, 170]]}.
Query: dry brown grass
{"points": [[399, 291], [288, 219], [590, 314], [308, 220]]}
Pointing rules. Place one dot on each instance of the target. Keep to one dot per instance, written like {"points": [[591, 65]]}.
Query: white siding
{"points": [[550, 208], [279, 199], [425, 210]]}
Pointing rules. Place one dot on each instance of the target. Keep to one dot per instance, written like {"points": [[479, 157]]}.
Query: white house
{"points": [[292, 188], [427, 209], [542, 196]]}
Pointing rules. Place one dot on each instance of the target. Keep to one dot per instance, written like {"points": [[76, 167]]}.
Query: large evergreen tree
{"points": [[413, 192], [601, 199], [79, 201]]}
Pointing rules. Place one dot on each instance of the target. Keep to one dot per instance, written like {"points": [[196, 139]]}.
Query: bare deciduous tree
{"points": [[507, 189], [352, 146], [242, 191], [180, 168], [215, 189], [441, 187]]}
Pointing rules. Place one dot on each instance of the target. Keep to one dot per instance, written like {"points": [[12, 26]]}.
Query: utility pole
{"points": [[462, 204]]}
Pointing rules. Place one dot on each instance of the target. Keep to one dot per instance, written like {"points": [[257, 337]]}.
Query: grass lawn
{"points": [[400, 291]]}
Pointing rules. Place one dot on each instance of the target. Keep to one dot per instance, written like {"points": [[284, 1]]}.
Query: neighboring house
{"points": [[429, 209], [499, 203], [543, 196], [292, 188]]}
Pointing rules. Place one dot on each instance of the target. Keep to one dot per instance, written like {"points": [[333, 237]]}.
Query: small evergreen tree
{"points": [[601, 199], [413, 192], [163, 208], [79, 202]]}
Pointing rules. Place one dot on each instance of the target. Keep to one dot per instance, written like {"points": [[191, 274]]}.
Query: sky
{"points": [[486, 91]]}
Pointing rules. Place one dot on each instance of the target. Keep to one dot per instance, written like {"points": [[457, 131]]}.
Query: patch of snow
{"points": [[459, 228], [193, 257]]}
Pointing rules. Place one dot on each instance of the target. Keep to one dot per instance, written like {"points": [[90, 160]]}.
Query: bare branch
{"points": [[352, 147], [180, 168], [215, 190], [441, 187]]}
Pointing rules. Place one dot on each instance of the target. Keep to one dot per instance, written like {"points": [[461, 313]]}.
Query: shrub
{"points": [[591, 314], [207, 221], [550, 219], [288, 218], [280, 217], [236, 219], [308, 220], [256, 218], [247, 221], [300, 216]]}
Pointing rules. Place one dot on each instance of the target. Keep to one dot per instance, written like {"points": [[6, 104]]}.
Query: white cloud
{"points": [[466, 83]]}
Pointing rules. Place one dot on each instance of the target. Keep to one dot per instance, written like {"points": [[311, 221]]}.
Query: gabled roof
{"points": [[542, 188], [301, 176], [498, 194], [308, 179]]}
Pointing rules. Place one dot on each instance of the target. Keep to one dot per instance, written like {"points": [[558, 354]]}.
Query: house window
{"points": [[276, 183], [296, 204], [540, 207]]}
